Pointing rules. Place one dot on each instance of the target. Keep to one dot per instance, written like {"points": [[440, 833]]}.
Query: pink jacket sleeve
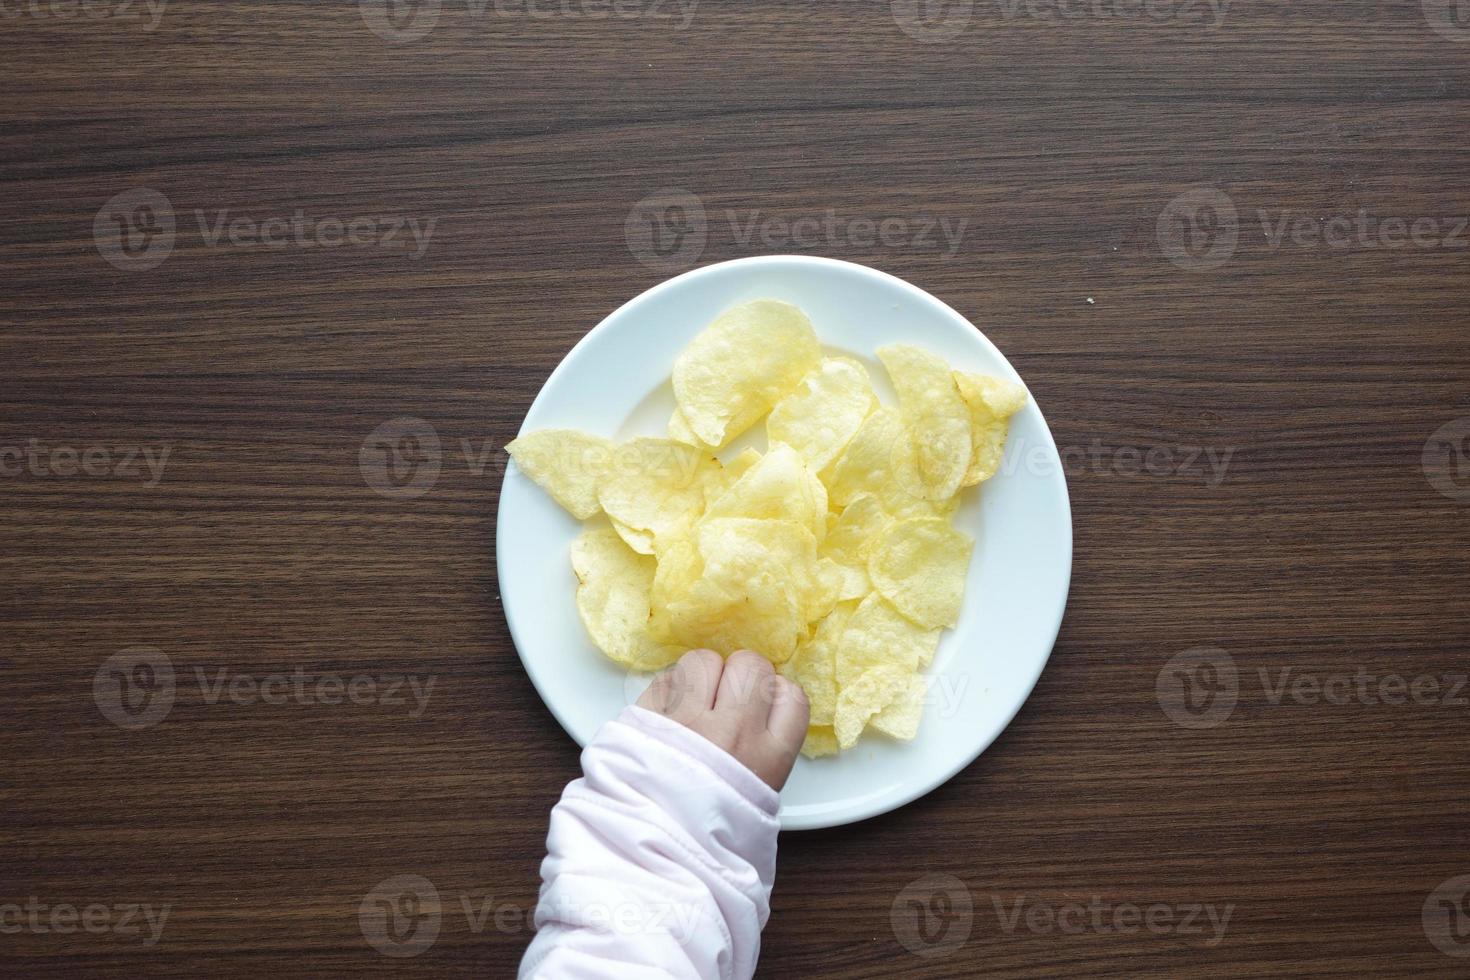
{"points": [[659, 862]]}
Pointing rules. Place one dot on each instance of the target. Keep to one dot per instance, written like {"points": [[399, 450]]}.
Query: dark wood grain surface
{"points": [[1251, 382]]}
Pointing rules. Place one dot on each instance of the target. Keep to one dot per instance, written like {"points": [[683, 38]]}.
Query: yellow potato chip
{"points": [[901, 718], [861, 700], [919, 565], [813, 665], [849, 540], [778, 486], [825, 590], [679, 567], [878, 635], [732, 471], [740, 366], [866, 464], [880, 461], [614, 584], [567, 464], [992, 402], [825, 411], [820, 740], [757, 579], [852, 581], [762, 619], [725, 475], [639, 540], [679, 431], [937, 418], [656, 485]]}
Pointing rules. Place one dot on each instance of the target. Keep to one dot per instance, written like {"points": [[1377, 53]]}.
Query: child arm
{"points": [[660, 859]]}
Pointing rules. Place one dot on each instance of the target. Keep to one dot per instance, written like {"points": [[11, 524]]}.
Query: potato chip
{"points": [[878, 635], [901, 718], [861, 700], [813, 666], [757, 584], [679, 567], [866, 463], [852, 581], [820, 740], [992, 402], [849, 540], [919, 565], [825, 592], [741, 365], [880, 461], [729, 474], [640, 541], [614, 585], [937, 418], [656, 486], [725, 475], [822, 415], [567, 464], [778, 486], [679, 431]]}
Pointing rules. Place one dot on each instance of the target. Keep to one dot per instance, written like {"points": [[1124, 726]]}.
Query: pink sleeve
{"points": [[659, 861]]}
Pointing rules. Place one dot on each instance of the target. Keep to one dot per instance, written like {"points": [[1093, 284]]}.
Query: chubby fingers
{"points": [[686, 690], [745, 689], [740, 704], [768, 714], [790, 715]]}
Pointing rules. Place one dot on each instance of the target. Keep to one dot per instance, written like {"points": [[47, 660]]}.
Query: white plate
{"points": [[616, 382]]}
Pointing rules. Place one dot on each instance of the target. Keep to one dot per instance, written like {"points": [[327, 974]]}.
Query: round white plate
{"points": [[615, 382]]}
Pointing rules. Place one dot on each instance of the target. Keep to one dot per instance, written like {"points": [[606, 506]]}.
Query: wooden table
{"points": [[1230, 259]]}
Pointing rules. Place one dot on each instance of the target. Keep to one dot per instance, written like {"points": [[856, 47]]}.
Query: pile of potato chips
{"points": [[831, 553]]}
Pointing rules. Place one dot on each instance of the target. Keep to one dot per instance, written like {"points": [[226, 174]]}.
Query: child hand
{"points": [[741, 705]]}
